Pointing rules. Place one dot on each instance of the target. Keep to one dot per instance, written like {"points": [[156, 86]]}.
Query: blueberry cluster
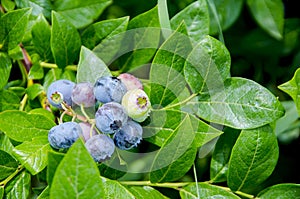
{"points": [[121, 105]]}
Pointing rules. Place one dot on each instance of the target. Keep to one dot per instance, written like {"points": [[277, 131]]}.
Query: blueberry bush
{"points": [[149, 99]]}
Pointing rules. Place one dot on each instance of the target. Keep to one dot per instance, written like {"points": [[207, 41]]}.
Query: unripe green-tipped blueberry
{"points": [[129, 136], [64, 135], [87, 132], [83, 94], [130, 81], [110, 117], [60, 91], [137, 104], [101, 147], [109, 89]]}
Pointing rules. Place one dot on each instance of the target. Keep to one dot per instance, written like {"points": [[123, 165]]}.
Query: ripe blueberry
{"points": [[64, 135], [109, 89], [60, 91], [110, 117], [128, 136], [101, 147]]}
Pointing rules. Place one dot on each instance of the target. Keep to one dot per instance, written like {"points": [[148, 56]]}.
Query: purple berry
{"points": [[130, 81], [87, 131], [83, 93]]}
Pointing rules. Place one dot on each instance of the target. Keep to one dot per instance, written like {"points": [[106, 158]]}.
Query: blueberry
{"points": [[87, 132], [128, 136], [130, 81], [110, 117], [64, 135], [83, 93], [109, 89], [101, 147], [137, 104], [59, 91]]}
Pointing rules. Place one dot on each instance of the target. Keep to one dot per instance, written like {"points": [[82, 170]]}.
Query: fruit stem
{"points": [[23, 102], [85, 114], [4, 182], [48, 65], [71, 67]]}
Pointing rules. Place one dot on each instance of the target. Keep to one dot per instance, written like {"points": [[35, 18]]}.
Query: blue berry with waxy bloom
{"points": [[64, 135], [110, 117], [101, 147], [137, 104], [109, 89], [60, 91], [129, 136], [83, 94]]}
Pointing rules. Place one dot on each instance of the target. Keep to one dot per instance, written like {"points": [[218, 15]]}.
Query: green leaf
{"points": [[65, 41], [81, 13], [142, 41], [8, 5], [225, 105], [54, 158], [113, 189], [7, 165], [145, 192], [38, 6], [204, 190], [292, 88], [34, 90], [12, 28], [8, 100], [287, 127], [44, 194], [5, 143], [90, 67], [36, 72], [112, 168], [164, 123], [21, 126], [102, 30], [33, 154], [77, 175], [208, 65], [5, 68], [269, 14], [43, 112], [163, 16], [41, 35], [19, 186], [166, 167], [282, 191], [166, 73], [221, 155], [1, 192], [228, 11], [253, 158], [196, 18]]}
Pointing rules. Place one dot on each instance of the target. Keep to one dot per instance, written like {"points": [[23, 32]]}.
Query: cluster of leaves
{"points": [[197, 105]]}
